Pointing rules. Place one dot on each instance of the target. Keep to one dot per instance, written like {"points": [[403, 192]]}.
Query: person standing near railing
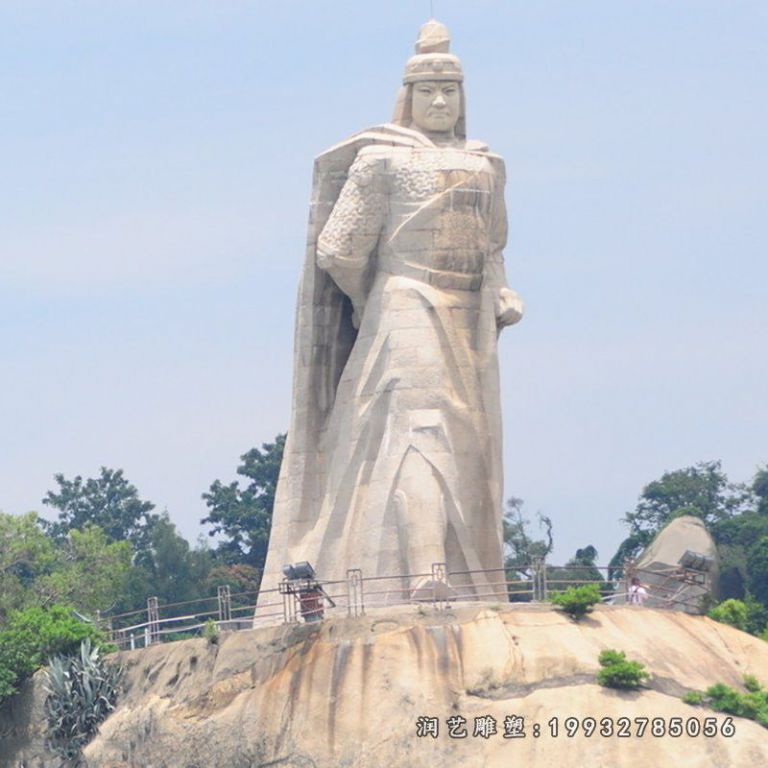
{"points": [[638, 592]]}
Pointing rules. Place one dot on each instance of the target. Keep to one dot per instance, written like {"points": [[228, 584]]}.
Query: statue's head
{"points": [[435, 105], [432, 96]]}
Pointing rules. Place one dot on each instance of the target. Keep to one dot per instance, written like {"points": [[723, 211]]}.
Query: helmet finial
{"points": [[433, 60]]}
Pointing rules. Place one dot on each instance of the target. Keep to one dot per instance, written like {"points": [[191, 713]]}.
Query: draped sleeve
{"points": [[494, 268], [351, 233], [498, 233]]}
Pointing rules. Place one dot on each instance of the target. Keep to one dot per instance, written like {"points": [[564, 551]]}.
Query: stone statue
{"points": [[393, 457]]}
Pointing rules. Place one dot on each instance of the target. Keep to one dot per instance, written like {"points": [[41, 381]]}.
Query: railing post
{"points": [[289, 602], [153, 619], [439, 584], [539, 580], [355, 604], [224, 596]]}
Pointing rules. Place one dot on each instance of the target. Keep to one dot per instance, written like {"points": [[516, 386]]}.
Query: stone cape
{"points": [[393, 456]]}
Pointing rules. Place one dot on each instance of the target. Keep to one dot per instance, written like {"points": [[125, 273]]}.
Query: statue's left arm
{"points": [[508, 305]]}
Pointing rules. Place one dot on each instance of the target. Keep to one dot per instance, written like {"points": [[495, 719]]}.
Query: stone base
{"points": [[348, 692]]}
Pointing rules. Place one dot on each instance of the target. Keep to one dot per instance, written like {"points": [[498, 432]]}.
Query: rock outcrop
{"points": [[348, 692], [659, 566]]}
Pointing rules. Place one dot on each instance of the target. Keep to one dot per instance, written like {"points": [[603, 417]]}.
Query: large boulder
{"points": [[660, 566], [347, 693]]}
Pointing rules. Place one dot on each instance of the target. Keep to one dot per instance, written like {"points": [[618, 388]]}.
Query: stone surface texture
{"points": [[393, 457], [346, 693], [662, 556]]}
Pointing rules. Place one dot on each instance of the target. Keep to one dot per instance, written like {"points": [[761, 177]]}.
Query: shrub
{"points": [[33, 635], [82, 691], [618, 672], [211, 632], [694, 697], [608, 657], [577, 601], [747, 615], [628, 675], [757, 616], [723, 698], [732, 612]]}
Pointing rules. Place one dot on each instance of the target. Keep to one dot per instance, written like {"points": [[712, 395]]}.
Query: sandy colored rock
{"points": [[348, 692]]}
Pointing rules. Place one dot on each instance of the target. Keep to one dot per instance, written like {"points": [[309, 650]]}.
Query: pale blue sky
{"points": [[156, 161]]}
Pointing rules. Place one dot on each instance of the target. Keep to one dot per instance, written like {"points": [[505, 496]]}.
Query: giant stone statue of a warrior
{"points": [[393, 457]]}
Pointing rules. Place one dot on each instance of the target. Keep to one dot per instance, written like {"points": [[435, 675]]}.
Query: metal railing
{"points": [[353, 596]]}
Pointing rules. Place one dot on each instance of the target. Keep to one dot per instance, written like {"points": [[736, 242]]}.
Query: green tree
{"points": [[702, 491], [760, 489], [108, 501], [736, 516], [84, 569], [26, 553], [90, 571], [629, 548], [242, 578], [757, 570], [579, 570], [520, 548], [32, 635], [170, 569], [243, 515]]}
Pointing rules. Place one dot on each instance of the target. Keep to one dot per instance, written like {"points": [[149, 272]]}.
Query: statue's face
{"points": [[436, 105]]}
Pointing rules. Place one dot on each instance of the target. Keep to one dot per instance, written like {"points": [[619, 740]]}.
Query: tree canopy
{"points": [[169, 568], [84, 569], [243, 515], [702, 491], [520, 548], [735, 514], [108, 501]]}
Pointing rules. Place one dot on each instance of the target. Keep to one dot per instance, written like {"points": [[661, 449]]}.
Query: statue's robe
{"points": [[393, 456]]}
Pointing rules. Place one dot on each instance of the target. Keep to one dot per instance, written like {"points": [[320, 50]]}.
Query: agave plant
{"points": [[82, 690]]}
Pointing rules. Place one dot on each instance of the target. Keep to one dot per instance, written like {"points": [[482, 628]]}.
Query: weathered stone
{"points": [[346, 693], [396, 415], [659, 569]]}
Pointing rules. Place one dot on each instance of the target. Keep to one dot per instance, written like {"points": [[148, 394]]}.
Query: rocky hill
{"points": [[348, 693]]}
